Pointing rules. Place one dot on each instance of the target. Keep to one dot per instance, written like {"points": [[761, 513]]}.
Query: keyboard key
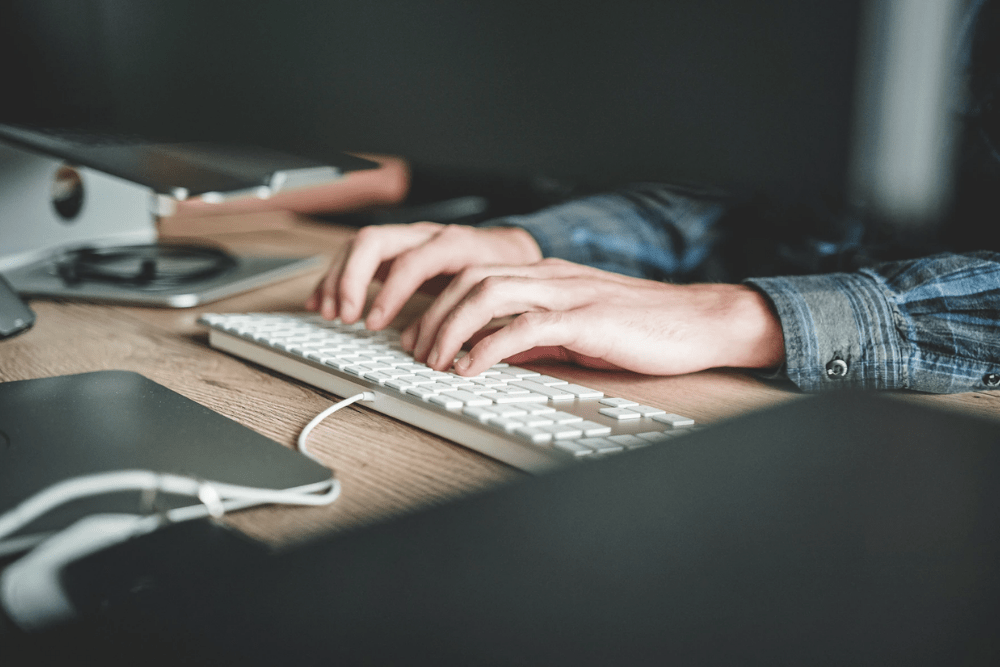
{"points": [[535, 435], [516, 398], [485, 382], [555, 393], [646, 411], [425, 391], [617, 402], [536, 421], [560, 417], [593, 429], [445, 401], [399, 384], [534, 408], [562, 431], [627, 440], [620, 414], [601, 445], [419, 379], [655, 436], [467, 397], [482, 414], [511, 410], [397, 372], [375, 366], [455, 381], [506, 423], [434, 375], [375, 376], [548, 380], [675, 420], [511, 390], [581, 392], [520, 372], [573, 447]]}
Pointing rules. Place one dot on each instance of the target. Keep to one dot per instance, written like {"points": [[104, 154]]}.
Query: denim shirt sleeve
{"points": [[645, 230], [930, 324]]}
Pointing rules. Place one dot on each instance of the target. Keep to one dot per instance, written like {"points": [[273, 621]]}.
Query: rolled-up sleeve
{"points": [[930, 324], [645, 230]]}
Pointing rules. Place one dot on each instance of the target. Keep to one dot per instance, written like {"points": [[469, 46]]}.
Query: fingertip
{"points": [[376, 319], [328, 310], [407, 338], [463, 364]]}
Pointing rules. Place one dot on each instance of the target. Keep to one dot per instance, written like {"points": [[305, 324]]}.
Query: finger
{"points": [[465, 281], [527, 332], [408, 337], [446, 252], [457, 290], [371, 247], [501, 296], [315, 300]]}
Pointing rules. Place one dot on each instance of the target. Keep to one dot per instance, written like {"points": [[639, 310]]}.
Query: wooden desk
{"points": [[387, 467]]}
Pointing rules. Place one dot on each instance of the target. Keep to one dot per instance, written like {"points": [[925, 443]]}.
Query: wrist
{"points": [[519, 247], [756, 339]]}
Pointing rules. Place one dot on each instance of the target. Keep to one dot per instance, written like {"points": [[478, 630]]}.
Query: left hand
{"points": [[568, 312]]}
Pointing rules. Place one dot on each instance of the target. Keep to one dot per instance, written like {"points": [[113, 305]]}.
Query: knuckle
{"points": [[491, 285], [472, 275], [366, 235]]}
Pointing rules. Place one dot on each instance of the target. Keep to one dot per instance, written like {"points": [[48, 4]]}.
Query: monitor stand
{"points": [[52, 205]]}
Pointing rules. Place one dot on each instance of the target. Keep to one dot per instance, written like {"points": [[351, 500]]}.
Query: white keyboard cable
{"points": [[304, 435]]}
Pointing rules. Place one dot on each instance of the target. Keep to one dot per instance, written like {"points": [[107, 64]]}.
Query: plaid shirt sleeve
{"points": [[646, 230], [930, 324]]}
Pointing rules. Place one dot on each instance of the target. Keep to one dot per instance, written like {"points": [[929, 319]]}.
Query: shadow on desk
{"points": [[840, 530]]}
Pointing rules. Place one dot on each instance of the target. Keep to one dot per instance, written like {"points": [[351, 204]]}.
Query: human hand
{"points": [[407, 256], [569, 312]]}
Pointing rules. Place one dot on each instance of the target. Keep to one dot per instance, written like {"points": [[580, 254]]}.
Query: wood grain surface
{"points": [[387, 468]]}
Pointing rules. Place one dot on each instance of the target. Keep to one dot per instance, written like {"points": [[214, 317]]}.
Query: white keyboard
{"points": [[531, 421]]}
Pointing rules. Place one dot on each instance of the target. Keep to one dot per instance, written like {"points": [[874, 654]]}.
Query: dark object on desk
{"points": [[144, 266], [839, 530], [60, 277], [62, 427], [15, 315]]}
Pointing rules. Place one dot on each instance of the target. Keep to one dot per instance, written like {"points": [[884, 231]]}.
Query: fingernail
{"points": [[463, 363], [375, 318], [433, 359], [328, 307]]}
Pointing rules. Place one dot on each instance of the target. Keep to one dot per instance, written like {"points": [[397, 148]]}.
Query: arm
{"points": [[930, 324]]}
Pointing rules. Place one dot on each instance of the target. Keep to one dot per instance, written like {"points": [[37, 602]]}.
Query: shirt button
{"points": [[992, 379], [836, 368]]}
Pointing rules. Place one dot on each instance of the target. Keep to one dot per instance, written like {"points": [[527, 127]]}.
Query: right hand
{"points": [[409, 255]]}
